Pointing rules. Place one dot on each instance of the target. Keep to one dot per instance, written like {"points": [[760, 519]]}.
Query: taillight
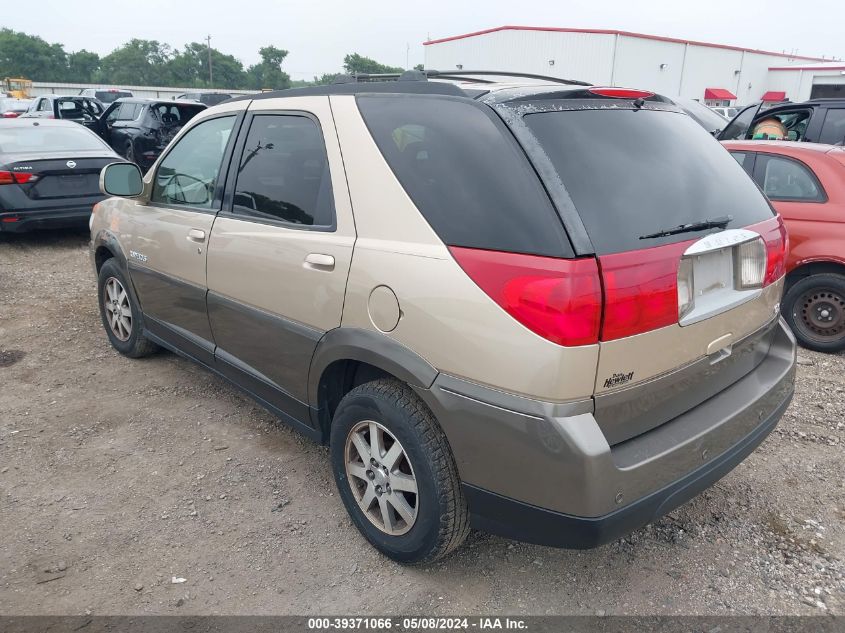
{"points": [[19, 178], [559, 299], [750, 264], [776, 239], [641, 290], [622, 93]]}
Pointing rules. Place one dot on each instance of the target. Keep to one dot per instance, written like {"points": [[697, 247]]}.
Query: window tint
{"points": [[738, 128], [739, 157], [635, 172], [786, 179], [114, 114], [284, 172], [465, 173], [833, 130], [129, 111], [189, 173]]}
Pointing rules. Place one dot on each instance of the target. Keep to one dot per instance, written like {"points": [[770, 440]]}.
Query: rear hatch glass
{"points": [[633, 173]]}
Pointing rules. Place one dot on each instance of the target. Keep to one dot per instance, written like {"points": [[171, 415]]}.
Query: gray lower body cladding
{"points": [[546, 473]]}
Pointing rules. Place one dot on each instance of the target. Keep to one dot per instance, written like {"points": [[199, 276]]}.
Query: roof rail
{"points": [[464, 75]]}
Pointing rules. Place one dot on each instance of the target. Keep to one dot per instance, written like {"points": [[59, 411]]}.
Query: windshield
{"points": [[632, 173], [49, 138], [704, 116]]}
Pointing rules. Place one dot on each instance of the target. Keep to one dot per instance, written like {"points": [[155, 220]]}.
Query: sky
{"points": [[319, 34]]}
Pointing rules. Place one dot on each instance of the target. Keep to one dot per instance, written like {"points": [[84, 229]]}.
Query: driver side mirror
{"points": [[121, 179]]}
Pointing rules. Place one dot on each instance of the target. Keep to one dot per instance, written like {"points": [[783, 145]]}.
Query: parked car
{"points": [[139, 129], [49, 173], [705, 116], [207, 98], [806, 184], [13, 108], [83, 110], [549, 310], [106, 95], [728, 112], [814, 121]]}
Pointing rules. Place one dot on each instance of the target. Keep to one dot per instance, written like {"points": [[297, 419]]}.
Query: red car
{"points": [[806, 184]]}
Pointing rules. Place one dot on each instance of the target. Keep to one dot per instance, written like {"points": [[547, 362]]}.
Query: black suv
{"points": [[814, 121], [140, 129]]}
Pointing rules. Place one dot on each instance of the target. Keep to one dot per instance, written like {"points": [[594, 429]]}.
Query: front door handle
{"points": [[196, 235], [319, 261]]}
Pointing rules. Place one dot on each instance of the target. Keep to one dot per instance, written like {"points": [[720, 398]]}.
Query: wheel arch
{"points": [[810, 268], [105, 245], [348, 357]]}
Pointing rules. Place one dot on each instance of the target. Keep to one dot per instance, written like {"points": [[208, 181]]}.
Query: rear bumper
{"points": [[545, 473], [52, 218]]}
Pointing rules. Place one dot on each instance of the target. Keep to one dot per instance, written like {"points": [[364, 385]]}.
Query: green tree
{"points": [[82, 67], [268, 73], [189, 67], [139, 63], [358, 64], [29, 56]]}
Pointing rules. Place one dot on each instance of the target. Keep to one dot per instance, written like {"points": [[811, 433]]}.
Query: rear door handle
{"points": [[196, 235], [319, 261]]}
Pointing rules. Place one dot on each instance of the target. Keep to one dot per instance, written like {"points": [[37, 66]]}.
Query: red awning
{"points": [[774, 96], [718, 93]]}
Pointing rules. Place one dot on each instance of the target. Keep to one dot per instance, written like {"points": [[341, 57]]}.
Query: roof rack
{"points": [[463, 75]]}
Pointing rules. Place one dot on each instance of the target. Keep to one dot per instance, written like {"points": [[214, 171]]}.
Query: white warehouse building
{"points": [[716, 74]]}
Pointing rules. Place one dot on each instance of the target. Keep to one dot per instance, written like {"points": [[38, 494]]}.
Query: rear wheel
{"points": [[122, 319], [396, 474], [814, 307]]}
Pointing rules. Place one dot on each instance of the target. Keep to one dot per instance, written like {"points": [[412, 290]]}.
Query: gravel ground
{"points": [[120, 478]]}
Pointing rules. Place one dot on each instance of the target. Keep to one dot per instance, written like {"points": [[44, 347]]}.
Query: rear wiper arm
{"points": [[713, 223]]}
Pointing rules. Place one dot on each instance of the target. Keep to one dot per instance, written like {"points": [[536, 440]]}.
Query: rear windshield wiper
{"points": [[720, 222]]}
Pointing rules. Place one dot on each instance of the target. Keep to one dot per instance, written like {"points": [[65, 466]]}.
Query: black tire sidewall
{"points": [[790, 307], [128, 347], [422, 538]]}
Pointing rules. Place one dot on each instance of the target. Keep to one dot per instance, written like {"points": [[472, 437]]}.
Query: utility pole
{"points": [[210, 73], [407, 56]]}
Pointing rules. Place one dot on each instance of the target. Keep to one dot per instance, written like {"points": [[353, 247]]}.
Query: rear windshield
{"points": [[635, 172], [107, 96], [465, 173], [48, 138]]}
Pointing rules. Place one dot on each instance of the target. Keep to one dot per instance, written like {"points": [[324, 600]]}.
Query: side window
{"points": [[189, 172], [833, 130], [787, 179], [44, 105], [127, 112], [114, 114], [284, 172], [787, 126]]}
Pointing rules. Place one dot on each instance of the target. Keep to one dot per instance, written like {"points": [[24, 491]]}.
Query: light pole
{"points": [[210, 73]]}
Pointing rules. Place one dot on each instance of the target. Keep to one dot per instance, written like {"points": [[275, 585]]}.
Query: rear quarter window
{"points": [[631, 173], [465, 173]]}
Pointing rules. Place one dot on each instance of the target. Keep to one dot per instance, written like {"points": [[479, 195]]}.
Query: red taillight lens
{"points": [[559, 299], [774, 235], [622, 93], [640, 290], [11, 177], [11, 115]]}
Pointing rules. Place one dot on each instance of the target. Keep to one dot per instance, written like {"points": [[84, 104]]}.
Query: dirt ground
{"points": [[118, 477]]}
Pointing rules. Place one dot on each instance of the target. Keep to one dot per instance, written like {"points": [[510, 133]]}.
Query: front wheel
{"points": [[814, 307], [122, 319], [396, 474]]}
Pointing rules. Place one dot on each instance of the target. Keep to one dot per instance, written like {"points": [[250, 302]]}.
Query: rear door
{"points": [[167, 248], [280, 250]]}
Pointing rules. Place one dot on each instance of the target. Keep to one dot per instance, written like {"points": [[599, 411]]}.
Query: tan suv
{"points": [[548, 311]]}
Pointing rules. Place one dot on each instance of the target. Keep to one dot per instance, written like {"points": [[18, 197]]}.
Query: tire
{"points": [[814, 308], [440, 521], [125, 332]]}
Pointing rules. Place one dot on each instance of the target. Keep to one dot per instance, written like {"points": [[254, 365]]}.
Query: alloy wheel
{"points": [[118, 310], [381, 478]]}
